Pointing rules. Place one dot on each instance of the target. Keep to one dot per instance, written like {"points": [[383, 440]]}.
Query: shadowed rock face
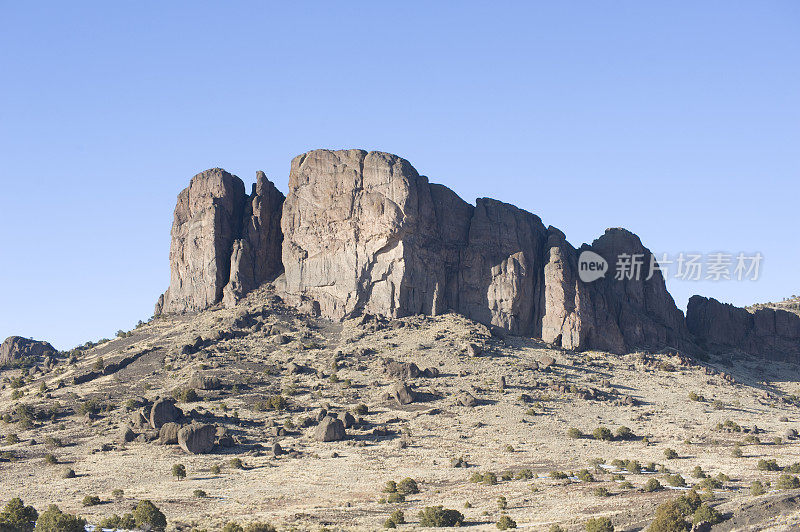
{"points": [[223, 242], [364, 232], [770, 333], [17, 347]]}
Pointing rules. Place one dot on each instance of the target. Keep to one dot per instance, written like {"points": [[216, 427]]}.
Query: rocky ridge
{"points": [[364, 233]]}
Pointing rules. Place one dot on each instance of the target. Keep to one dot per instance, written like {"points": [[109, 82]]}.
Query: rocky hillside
{"points": [[261, 413]]}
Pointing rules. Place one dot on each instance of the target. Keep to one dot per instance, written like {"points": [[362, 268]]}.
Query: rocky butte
{"points": [[363, 232]]}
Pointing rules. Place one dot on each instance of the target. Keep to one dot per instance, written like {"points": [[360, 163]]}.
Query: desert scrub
{"points": [[502, 503], [118, 493], [361, 410], [395, 498], [397, 518], [787, 482], [236, 463], [757, 488], [729, 426], [575, 433], [524, 474], [706, 513], [186, 395], [600, 491], [698, 472], [438, 516], [670, 454], [488, 478], [694, 396], [50, 459], [624, 433], [114, 522], [215, 469], [585, 476], [676, 480], [603, 433], [652, 485], [505, 522], [12, 438], [91, 500], [147, 514], [768, 465], [736, 452], [68, 473], [54, 520], [199, 494], [390, 487], [599, 524], [558, 475], [408, 486]]}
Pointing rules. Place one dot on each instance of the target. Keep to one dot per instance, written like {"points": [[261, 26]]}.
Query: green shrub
{"points": [[200, 494], [505, 522], [390, 487], [524, 474], [361, 410], [216, 469], [12, 438], [602, 492], [407, 486], [669, 454], [395, 498], [633, 466], [18, 517], [757, 488], [146, 513], [438, 516], [698, 472], [676, 480], [91, 500], [489, 478], [117, 493], [54, 520], [575, 433], [624, 433], [558, 475], [736, 452], [502, 503], [187, 395], [232, 527], [695, 397], [259, 527], [599, 524], [50, 459], [126, 522], [179, 471], [603, 433], [236, 463], [652, 485], [768, 465], [668, 519], [787, 482], [585, 476], [707, 513]]}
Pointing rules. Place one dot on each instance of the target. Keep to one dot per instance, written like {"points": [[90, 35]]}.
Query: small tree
{"points": [[179, 471], [17, 516], [54, 520]]}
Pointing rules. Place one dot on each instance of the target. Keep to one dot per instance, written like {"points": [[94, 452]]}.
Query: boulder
{"points": [[126, 435], [349, 420], [466, 399], [204, 382], [402, 393], [164, 411], [168, 434], [329, 429], [16, 348], [197, 438], [401, 370]]}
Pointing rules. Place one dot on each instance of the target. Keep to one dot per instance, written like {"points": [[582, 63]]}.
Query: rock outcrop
{"points": [[17, 348], [197, 438], [365, 233], [224, 243], [770, 333]]}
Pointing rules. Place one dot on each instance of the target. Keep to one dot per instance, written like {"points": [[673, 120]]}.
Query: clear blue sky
{"points": [[679, 121]]}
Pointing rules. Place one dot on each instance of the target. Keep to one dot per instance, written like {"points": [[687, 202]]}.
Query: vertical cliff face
{"points": [[770, 333], [364, 232], [219, 235]]}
